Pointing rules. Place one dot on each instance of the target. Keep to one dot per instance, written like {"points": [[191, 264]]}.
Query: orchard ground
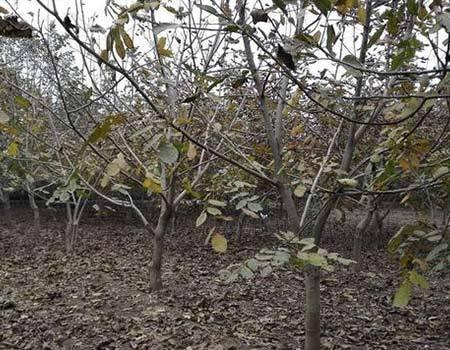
{"points": [[98, 297]]}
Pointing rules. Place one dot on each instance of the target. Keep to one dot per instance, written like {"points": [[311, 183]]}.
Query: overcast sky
{"points": [[91, 7]]}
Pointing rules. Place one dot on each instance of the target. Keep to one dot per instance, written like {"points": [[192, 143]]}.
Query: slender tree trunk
{"points": [[71, 235], [361, 229], [445, 214], [34, 207], [158, 247], [312, 308], [4, 195], [69, 231], [240, 225]]}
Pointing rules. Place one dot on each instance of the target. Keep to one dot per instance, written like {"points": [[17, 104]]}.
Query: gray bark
{"points": [[158, 247]]}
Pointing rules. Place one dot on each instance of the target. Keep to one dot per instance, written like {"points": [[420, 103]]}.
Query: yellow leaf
{"points": [[361, 15], [300, 190], [112, 169], [13, 149], [297, 130], [316, 36], [104, 55], [343, 6], [348, 182], [219, 243], [192, 151], [127, 40], [422, 12], [404, 164], [120, 49], [152, 186], [161, 47]]}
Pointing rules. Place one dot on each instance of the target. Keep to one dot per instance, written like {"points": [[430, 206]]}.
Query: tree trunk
{"points": [[6, 206], [321, 220], [240, 225], [34, 208], [290, 207], [71, 234], [158, 247], [361, 229], [312, 308]]}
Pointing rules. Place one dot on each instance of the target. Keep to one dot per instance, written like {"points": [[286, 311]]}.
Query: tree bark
{"points": [[361, 229], [312, 308], [158, 247], [6, 205], [34, 207]]}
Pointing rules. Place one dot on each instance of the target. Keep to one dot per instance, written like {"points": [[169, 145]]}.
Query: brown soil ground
{"points": [[98, 297]]}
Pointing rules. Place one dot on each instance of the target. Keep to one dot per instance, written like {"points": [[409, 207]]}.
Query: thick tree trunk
{"points": [[158, 248], [290, 207], [312, 308]]}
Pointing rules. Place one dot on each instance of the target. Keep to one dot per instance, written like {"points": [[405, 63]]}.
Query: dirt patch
{"points": [[98, 298]]}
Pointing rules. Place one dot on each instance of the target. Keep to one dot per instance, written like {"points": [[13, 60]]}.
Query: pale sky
{"points": [[91, 7]]}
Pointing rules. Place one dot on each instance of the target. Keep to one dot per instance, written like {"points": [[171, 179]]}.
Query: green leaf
{"points": [[135, 7], [246, 272], [436, 251], [213, 211], [4, 118], [266, 271], [418, 280], [253, 264], [316, 259], [208, 9], [323, 5], [22, 102], [259, 15], [242, 203], [201, 219], [403, 294], [413, 7], [353, 61], [331, 37], [281, 5], [256, 207], [441, 171], [300, 190], [219, 243], [399, 237], [167, 153], [117, 165], [392, 24], [217, 203], [376, 36], [102, 130]]}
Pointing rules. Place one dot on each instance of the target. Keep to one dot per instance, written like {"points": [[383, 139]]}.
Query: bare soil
{"points": [[98, 297]]}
